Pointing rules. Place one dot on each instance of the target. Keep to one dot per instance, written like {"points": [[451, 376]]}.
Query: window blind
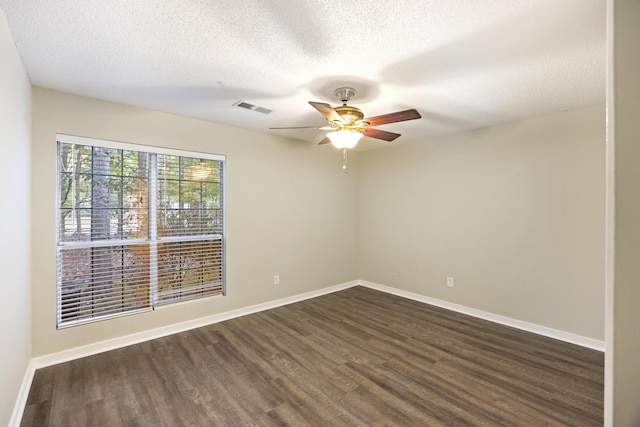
{"points": [[135, 228]]}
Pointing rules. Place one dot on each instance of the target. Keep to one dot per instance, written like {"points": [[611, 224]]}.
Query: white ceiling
{"points": [[463, 64]]}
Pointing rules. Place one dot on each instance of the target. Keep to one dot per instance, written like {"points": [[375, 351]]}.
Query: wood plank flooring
{"points": [[357, 357]]}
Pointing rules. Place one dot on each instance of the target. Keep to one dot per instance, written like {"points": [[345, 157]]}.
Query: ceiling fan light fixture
{"points": [[344, 138]]}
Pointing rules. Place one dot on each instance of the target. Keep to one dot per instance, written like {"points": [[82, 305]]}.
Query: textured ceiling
{"points": [[462, 64]]}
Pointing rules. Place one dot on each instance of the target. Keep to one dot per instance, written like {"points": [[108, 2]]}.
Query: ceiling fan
{"points": [[348, 124]]}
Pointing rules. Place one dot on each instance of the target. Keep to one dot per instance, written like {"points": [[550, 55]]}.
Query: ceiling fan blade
{"points": [[301, 127], [326, 140], [327, 111], [399, 116], [380, 134]]}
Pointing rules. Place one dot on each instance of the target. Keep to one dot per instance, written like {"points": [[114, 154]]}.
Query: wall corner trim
{"points": [[23, 394]]}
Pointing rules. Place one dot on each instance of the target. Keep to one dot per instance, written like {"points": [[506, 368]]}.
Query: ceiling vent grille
{"points": [[252, 107]]}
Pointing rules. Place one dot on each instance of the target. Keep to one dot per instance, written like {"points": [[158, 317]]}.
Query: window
{"points": [[137, 227]]}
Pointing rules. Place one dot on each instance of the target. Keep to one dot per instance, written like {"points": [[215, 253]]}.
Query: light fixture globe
{"points": [[344, 138]]}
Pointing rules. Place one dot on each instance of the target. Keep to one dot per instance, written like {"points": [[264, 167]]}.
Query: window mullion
{"points": [[153, 228]]}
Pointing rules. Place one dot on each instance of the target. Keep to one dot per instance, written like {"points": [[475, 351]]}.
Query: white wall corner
{"points": [[23, 394]]}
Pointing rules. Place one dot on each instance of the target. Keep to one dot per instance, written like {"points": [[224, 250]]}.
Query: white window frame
{"points": [[153, 239]]}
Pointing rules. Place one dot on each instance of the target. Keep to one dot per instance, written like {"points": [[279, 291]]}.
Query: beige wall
{"points": [[290, 211], [514, 213], [15, 306], [623, 338]]}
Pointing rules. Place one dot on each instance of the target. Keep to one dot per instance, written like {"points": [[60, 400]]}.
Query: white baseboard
{"points": [[23, 394], [525, 326], [102, 346]]}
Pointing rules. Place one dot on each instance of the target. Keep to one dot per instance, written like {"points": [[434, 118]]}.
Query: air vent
{"points": [[252, 107], [262, 110], [244, 105]]}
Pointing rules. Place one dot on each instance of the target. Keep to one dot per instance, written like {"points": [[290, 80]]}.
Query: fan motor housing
{"points": [[349, 114]]}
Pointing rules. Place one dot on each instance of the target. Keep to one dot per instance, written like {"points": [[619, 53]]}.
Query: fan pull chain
{"points": [[344, 160]]}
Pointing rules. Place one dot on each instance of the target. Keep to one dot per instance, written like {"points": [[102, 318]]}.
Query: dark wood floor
{"points": [[355, 357]]}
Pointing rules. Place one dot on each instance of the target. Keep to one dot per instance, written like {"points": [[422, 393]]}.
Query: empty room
{"points": [[320, 213]]}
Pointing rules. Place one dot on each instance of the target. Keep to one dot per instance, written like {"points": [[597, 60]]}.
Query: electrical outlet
{"points": [[449, 282], [276, 279]]}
